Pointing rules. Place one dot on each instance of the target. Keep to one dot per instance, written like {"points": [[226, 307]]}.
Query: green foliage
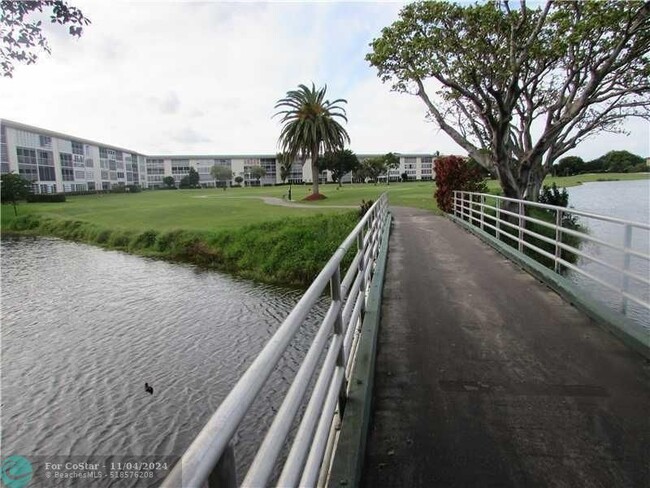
{"points": [[185, 182], [239, 180], [571, 165], [286, 163], [22, 37], [194, 178], [621, 161], [372, 168], [258, 172], [309, 124], [364, 207], [553, 196], [221, 173], [14, 187], [45, 197], [288, 251], [339, 163], [455, 174], [169, 182], [581, 67]]}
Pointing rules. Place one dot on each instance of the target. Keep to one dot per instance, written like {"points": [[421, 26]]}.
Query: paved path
{"points": [[286, 203], [486, 378]]}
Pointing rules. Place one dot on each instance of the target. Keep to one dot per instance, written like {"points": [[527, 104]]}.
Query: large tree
{"points": [[221, 173], [519, 87], [339, 163], [310, 126], [21, 30]]}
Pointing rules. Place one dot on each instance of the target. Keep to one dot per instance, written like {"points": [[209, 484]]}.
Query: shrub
{"points": [[46, 198], [455, 174], [364, 207], [553, 196]]}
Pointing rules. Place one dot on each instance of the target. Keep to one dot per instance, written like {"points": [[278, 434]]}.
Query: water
{"points": [[84, 328], [628, 200]]}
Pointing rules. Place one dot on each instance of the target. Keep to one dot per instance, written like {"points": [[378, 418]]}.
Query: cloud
{"points": [[190, 136], [175, 77], [169, 104]]}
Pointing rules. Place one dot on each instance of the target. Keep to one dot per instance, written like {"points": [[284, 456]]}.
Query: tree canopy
{"points": [[310, 126], [23, 37], [519, 87], [371, 168], [258, 172], [339, 163], [14, 187], [221, 173]]}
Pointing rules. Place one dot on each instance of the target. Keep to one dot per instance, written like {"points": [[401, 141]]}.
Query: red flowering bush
{"points": [[455, 174]]}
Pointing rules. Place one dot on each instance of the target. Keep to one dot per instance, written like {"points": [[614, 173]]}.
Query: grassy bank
{"points": [[288, 252], [233, 230]]}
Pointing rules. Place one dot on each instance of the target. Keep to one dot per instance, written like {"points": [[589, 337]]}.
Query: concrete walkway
{"points": [[486, 378]]}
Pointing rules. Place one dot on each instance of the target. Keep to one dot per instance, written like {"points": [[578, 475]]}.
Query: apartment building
{"points": [[57, 162]]}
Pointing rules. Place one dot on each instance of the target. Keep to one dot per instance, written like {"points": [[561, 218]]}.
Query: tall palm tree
{"points": [[310, 127]]}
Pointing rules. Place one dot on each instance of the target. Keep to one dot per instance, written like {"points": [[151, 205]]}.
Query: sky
{"points": [[174, 77]]}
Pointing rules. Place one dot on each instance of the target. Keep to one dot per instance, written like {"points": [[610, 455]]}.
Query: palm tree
{"points": [[310, 127]]}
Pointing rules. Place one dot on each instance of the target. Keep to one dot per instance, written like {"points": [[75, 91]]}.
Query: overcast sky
{"points": [[162, 77]]}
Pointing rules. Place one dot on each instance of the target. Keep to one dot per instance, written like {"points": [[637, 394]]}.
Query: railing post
{"points": [[482, 206], [455, 203], [558, 239], [498, 215], [521, 227], [627, 245], [335, 291], [224, 473]]}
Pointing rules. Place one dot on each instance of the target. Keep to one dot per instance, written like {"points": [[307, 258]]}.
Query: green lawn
{"points": [[214, 209]]}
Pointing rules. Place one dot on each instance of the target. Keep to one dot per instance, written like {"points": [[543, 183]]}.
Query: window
{"points": [[4, 168], [77, 148], [45, 141], [113, 175], [26, 156], [91, 185], [104, 174], [112, 165], [103, 153], [90, 163], [46, 173], [118, 155], [66, 160], [120, 175], [29, 172], [111, 153], [79, 175], [67, 174], [90, 175]]}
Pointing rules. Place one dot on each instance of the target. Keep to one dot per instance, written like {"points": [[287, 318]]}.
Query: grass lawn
{"points": [[215, 209], [212, 209]]}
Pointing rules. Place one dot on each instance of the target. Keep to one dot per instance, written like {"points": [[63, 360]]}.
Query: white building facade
{"points": [[56, 162]]}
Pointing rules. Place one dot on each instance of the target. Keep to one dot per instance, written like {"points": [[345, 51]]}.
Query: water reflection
{"points": [[83, 329]]}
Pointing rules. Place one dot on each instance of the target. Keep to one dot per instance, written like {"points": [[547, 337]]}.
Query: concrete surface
{"points": [[485, 377]]}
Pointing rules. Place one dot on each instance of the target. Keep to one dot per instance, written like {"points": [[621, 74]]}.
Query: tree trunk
{"points": [[314, 170]]}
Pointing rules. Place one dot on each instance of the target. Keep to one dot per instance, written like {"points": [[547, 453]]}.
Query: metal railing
{"points": [[507, 218], [209, 460]]}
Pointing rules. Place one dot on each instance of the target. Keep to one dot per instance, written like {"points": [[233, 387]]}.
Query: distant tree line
{"points": [[612, 162]]}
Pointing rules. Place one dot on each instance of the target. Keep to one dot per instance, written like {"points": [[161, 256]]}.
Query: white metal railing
{"points": [[209, 460], [488, 212]]}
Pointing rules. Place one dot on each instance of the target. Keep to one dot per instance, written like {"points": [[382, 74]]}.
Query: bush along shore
{"points": [[284, 252]]}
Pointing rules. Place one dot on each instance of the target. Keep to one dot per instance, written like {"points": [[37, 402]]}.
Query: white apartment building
{"points": [[57, 162]]}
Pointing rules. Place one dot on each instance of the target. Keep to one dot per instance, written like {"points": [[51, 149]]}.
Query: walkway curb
{"points": [[618, 325], [349, 456]]}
